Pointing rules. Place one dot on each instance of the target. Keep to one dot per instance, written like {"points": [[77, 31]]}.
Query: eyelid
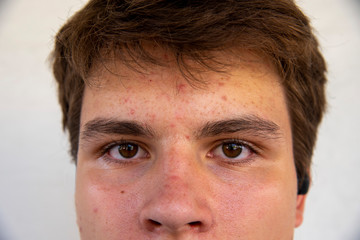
{"points": [[254, 149], [104, 152]]}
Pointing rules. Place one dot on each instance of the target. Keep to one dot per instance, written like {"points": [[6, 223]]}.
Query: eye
{"points": [[126, 151], [233, 151]]}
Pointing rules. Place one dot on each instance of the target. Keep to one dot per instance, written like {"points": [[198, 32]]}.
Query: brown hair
{"points": [[275, 29]]}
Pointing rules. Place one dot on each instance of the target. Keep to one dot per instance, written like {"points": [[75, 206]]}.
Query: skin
{"points": [[180, 185]]}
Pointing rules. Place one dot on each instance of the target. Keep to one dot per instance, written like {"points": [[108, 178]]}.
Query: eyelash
{"points": [[104, 152], [255, 150]]}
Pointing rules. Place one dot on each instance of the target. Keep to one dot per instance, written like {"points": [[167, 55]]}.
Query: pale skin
{"points": [[181, 182]]}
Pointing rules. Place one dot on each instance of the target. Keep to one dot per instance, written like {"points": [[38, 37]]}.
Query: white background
{"points": [[37, 176]]}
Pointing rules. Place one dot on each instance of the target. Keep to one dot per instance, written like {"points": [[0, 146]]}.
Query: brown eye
{"points": [[232, 150], [128, 150]]}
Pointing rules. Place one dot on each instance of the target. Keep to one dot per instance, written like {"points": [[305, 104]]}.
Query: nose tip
{"points": [[175, 207], [179, 219]]}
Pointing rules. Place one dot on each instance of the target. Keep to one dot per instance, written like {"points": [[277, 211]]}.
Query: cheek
{"points": [[262, 208], [103, 207]]}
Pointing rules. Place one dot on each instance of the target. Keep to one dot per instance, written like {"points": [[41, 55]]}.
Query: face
{"points": [[160, 159]]}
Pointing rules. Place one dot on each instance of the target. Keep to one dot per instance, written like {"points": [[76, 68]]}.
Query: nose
{"points": [[177, 202]]}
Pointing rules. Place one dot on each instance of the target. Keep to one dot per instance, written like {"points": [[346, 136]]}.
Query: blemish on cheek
{"points": [[172, 125], [95, 210], [126, 100], [181, 87], [187, 137], [221, 84], [122, 192], [132, 111], [224, 98], [80, 229]]}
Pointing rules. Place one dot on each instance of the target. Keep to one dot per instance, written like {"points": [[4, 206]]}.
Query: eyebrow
{"points": [[251, 124], [101, 126]]}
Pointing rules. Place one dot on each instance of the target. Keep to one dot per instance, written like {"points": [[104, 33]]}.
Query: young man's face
{"points": [[159, 159]]}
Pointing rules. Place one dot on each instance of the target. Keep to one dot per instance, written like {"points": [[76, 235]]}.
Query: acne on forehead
{"points": [[167, 84]]}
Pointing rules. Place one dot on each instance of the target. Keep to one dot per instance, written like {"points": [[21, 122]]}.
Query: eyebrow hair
{"points": [[100, 126], [252, 124]]}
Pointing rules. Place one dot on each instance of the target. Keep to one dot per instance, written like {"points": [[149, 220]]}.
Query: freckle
{"points": [[122, 191], [95, 210], [150, 80], [224, 98]]}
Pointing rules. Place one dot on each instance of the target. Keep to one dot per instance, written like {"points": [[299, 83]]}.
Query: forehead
{"points": [[250, 87], [169, 67], [168, 72]]}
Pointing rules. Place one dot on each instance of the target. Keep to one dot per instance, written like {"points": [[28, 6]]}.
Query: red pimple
{"points": [[187, 137], [132, 111], [95, 210], [221, 84], [224, 98], [181, 87]]}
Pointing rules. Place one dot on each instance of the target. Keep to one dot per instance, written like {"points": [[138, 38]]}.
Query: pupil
{"points": [[232, 150], [128, 150]]}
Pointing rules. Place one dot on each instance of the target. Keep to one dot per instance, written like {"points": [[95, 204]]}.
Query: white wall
{"points": [[37, 178]]}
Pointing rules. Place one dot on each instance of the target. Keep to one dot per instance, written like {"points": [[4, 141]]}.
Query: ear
{"points": [[300, 206]]}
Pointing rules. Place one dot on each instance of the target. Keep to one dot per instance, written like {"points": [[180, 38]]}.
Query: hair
{"points": [[193, 29]]}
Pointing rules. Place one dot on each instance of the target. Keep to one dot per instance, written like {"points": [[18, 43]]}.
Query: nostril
{"points": [[154, 223], [196, 224]]}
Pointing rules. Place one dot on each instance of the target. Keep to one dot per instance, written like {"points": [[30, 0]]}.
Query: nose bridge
{"points": [[178, 160], [177, 172], [176, 202]]}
